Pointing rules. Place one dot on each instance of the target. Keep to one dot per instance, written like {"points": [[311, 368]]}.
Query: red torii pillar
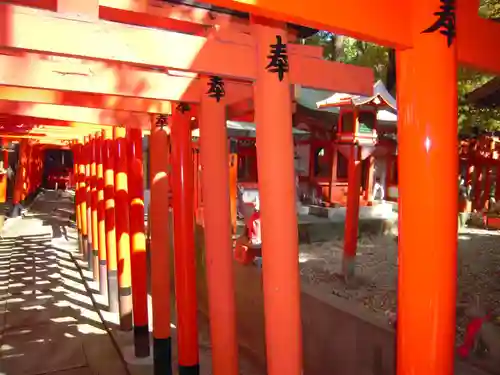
{"points": [[138, 243], [218, 235], [26, 171], [184, 256], [20, 178], [101, 217], [76, 149], [82, 202], [281, 283], [93, 208], [122, 228], [352, 212], [88, 201], [108, 157], [3, 177], [428, 170], [160, 247]]}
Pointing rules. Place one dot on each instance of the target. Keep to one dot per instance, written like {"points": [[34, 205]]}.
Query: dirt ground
{"points": [[478, 272]]}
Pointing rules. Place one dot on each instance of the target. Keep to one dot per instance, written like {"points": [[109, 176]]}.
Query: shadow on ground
{"points": [[48, 324]]}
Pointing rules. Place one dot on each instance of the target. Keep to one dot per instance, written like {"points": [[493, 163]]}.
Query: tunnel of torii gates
{"points": [[121, 64]]}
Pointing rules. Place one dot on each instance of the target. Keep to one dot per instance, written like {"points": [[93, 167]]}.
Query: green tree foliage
{"points": [[356, 52]]}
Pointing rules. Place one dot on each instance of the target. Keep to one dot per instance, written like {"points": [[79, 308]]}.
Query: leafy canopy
{"points": [[356, 52]]}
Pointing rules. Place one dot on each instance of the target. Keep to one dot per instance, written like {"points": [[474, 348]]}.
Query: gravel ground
{"points": [[478, 272]]}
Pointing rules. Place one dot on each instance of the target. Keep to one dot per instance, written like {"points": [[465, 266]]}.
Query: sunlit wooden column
{"points": [[123, 228], [159, 146], [88, 199], [101, 217], [93, 208], [3, 177], [428, 170], [138, 242], [218, 235], [184, 256], [352, 212], [275, 152], [82, 188], [76, 148], [108, 157]]}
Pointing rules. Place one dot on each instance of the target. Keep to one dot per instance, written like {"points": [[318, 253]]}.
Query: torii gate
{"points": [[427, 131], [427, 146], [115, 68]]}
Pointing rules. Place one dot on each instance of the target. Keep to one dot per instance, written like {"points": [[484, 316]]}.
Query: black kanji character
{"points": [[278, 58], [216, 88], [445, 22], [183, 107], [161, 121]]}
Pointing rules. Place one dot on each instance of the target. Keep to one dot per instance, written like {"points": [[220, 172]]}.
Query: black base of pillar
{"points": [[95, 265], [103, 278], [85, 247], [189, 370], [162, 356], [16, 211], [80, 242], [141, 341], [90, 256], [113, 298]]}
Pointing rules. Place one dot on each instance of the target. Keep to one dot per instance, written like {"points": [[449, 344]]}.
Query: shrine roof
{"points": [[488, 95], [380, 94], [316, 99]]}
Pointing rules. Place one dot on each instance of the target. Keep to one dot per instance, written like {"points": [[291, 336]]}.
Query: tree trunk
{"points": [[337, 47], [391, 72]]}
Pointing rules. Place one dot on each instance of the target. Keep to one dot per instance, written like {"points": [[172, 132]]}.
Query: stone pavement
{"points": [[48, 324], [52, 318]]}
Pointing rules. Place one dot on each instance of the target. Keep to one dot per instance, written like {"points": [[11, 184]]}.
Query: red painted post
{"points": [[218, 236], [77, 159], [83, 198], [88, 198], [93, 208], [3, 176], [184, 257], [352, 213], [108, 157], [160, 248], [138, 243], [275, 151], [101, 217], [123, 228], [428, 170]]}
